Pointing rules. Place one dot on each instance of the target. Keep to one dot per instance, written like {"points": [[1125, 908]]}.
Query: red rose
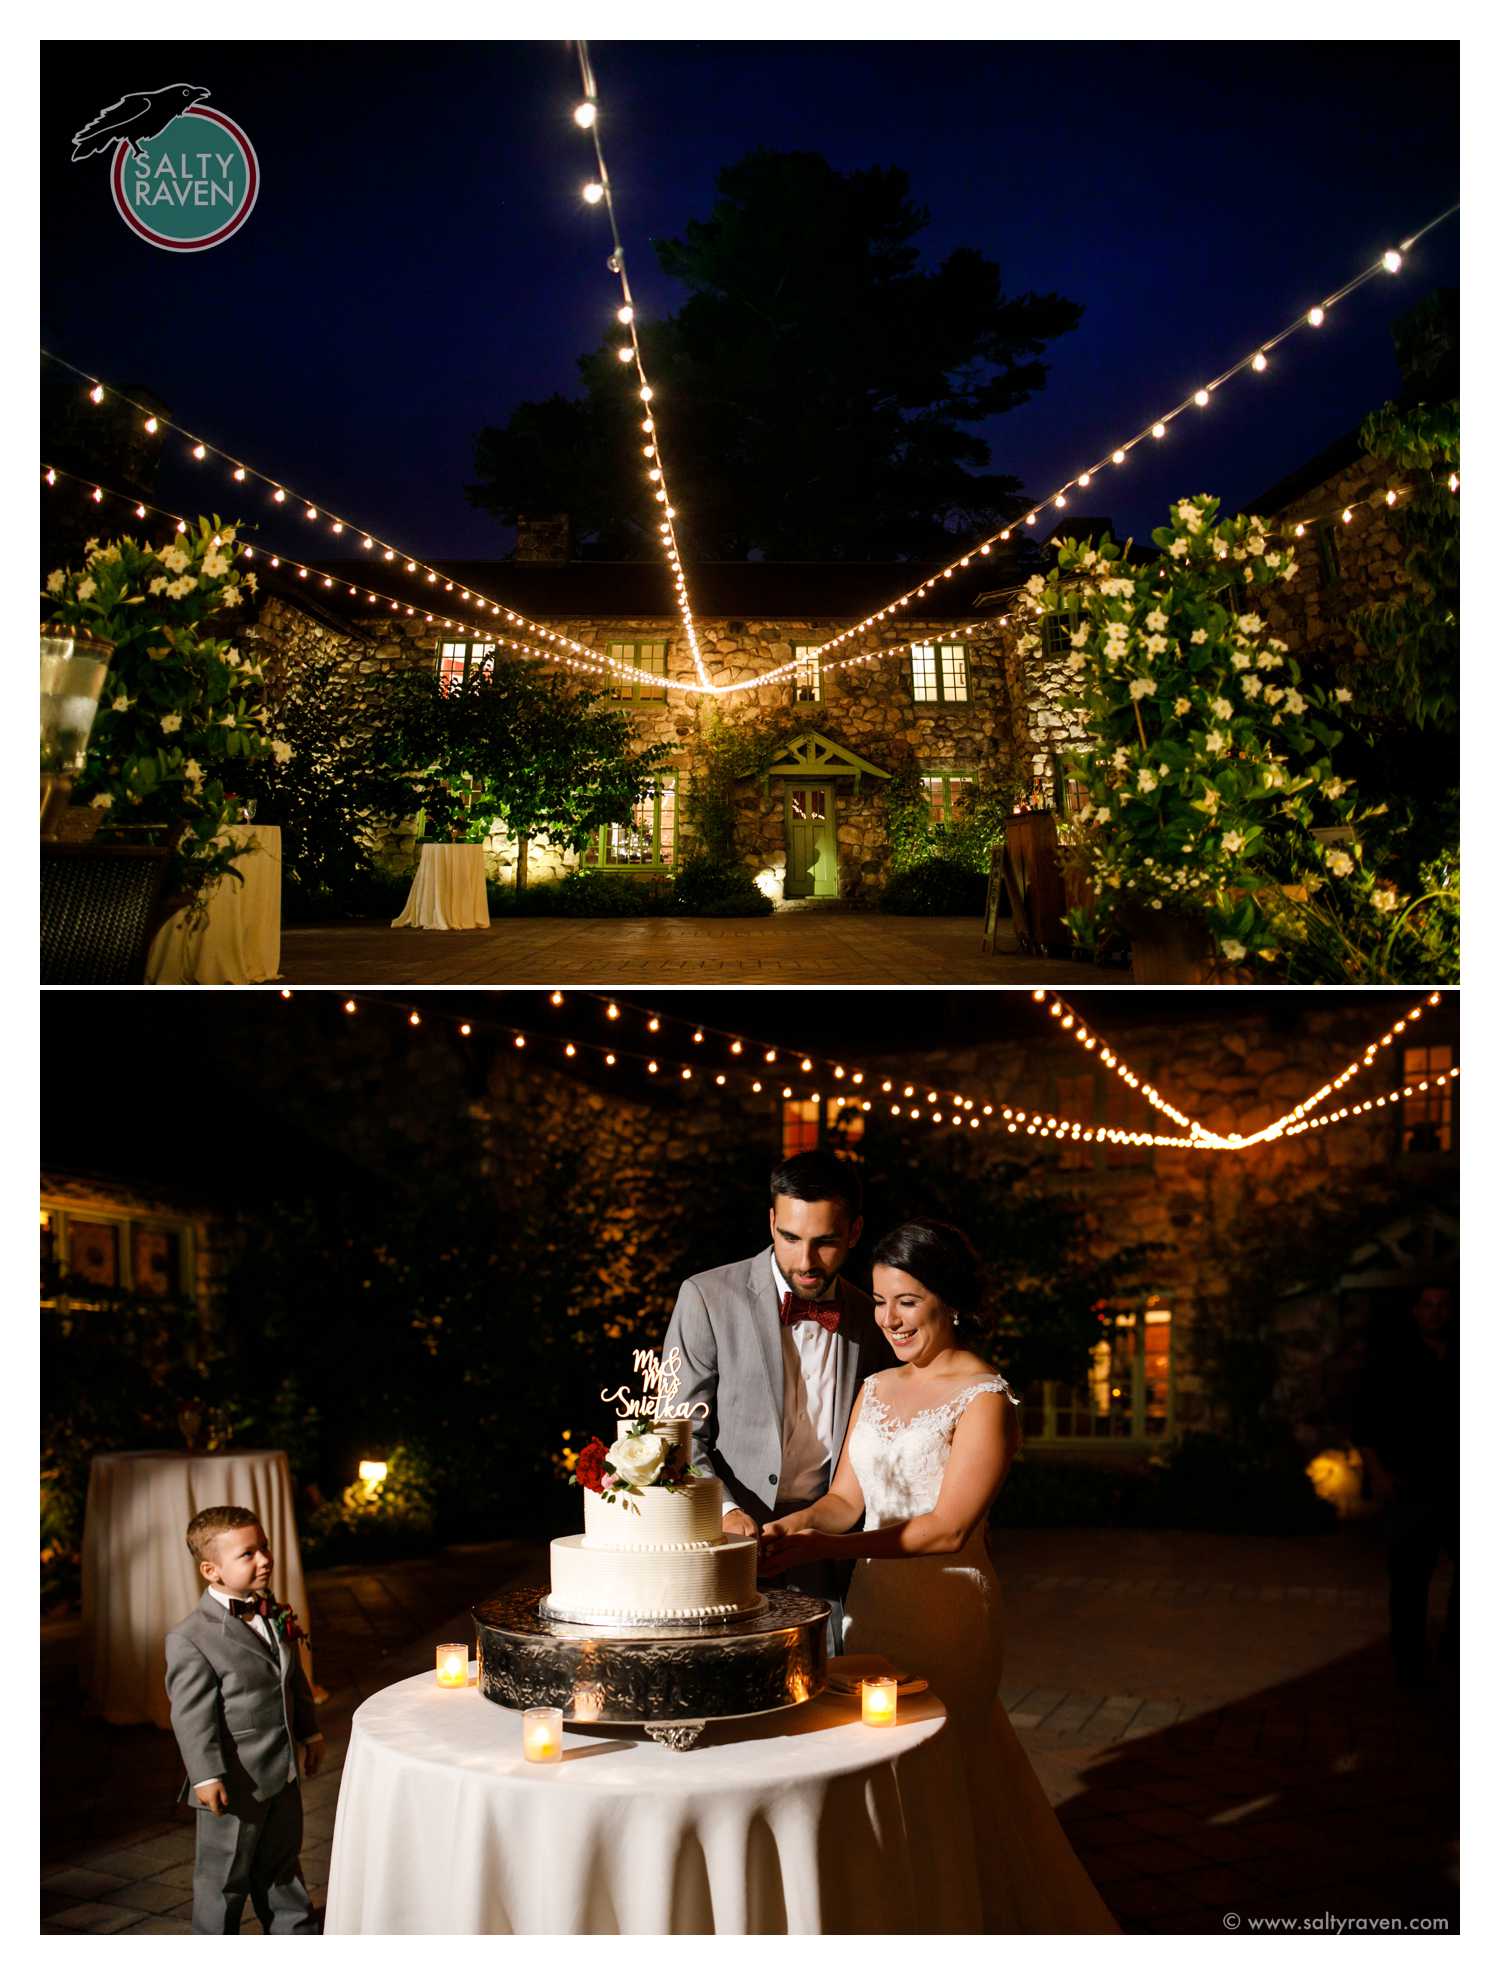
{"points": [[590, 1466]]}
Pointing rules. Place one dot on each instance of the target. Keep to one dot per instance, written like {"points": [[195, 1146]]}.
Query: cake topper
{"points": [[660, 1381]]}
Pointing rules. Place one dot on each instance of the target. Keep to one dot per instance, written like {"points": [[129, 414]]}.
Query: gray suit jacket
{"points": [[238, 1708], [726, 1327]]}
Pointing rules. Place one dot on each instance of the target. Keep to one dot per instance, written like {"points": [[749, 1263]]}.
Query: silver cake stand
{"points": [[670, 1682]]}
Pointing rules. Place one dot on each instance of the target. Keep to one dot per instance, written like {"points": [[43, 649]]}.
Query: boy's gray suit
{"points": [[240, 1710], [726, 1325]]}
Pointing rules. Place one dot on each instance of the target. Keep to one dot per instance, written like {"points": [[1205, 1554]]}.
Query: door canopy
{"points": [[813, 754]]}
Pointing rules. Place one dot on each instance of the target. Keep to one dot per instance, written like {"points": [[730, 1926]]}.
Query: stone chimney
{"points": [[544, 539]]}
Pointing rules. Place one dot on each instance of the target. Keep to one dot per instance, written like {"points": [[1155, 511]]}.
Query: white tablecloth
{"points": [[802, 1822], [241, 938], [139, 1578], [448, 890]]}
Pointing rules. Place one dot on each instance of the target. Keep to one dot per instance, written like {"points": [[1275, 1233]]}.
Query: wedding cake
{"points": [[653, 1551]]}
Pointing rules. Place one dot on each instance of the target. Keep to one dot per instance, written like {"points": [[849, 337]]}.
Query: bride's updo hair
{"points": [[941, 1258]]}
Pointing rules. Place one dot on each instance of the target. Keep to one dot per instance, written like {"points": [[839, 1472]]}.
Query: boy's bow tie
{"points": [[247, 1608], [793, 1311]]}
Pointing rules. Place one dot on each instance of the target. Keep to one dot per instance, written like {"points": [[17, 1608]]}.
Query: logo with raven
{"points": [[183, 175]]}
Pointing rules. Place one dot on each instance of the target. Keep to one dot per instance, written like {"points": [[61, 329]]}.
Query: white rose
{"points": [[637, 1458]]}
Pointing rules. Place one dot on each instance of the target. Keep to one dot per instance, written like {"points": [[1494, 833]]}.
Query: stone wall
{"points": [[867, 708], [1238, 1229], [1312, 611], [1316, 1234]]}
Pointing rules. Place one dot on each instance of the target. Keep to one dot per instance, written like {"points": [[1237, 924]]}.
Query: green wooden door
{"points": [[812, 858]]}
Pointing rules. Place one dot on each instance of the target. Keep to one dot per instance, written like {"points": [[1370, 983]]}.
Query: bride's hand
{"points": [[782, 1549], [785, 1526]]}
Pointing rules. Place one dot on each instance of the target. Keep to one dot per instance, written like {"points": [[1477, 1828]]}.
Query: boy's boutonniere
{"points": [[284, 1623]]}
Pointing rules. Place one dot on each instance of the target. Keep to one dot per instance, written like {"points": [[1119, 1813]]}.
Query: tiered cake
{"points": [[653, 1552]]}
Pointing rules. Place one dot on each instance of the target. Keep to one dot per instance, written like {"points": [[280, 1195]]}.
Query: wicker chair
{"points": [[99, 910]]}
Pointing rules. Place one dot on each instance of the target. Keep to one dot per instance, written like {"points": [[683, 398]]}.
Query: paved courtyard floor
{"points": [[802, 949], [1213, 1717]]}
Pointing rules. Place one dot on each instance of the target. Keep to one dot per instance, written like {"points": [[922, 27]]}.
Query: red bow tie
{"points": [[247, 1608], [793, 1311]]}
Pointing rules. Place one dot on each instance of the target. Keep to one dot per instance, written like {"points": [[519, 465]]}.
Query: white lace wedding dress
{"points": [[940, 1617]]}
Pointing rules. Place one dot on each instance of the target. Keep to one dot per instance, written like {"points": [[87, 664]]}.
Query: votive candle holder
{"points": [[542, 1734], [453, 1664], [877, 1701]]}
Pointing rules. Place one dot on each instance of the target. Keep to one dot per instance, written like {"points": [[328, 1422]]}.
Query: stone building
{"points": [[949, 709], [1287, 1254], [826, 742]]}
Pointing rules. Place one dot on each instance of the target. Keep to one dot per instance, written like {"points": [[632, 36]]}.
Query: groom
{"points": [[778, 1346]]}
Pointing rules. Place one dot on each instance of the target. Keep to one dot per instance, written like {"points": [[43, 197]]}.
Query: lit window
{"points": [[150, 1256], [1125, 1394], [645, 655], [939, 672], [1427, 1116], [459, 660], [805, 1122], [649, 840], [944, 793], [809, 673]]}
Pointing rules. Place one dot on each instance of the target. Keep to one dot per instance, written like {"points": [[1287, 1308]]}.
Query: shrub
{"points": [[718, 888], [581, 895], [390, 1520], [937, 885]]}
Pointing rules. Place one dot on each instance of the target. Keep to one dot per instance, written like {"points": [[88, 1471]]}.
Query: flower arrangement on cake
{"points": [[640, 1459]]}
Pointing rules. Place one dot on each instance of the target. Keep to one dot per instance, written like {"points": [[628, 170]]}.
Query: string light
{"points": [[1254, 360], [598, 192], [953, 1110], [564, 650]]}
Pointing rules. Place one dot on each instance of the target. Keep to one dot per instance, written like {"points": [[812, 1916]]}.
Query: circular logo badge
{"points": [[191, 186]]}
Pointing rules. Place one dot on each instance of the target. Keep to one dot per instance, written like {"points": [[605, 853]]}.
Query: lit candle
{"points": [[877, 1701], [453, 1665], [541, 1735]]}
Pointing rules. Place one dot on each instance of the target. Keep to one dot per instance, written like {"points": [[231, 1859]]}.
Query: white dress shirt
{"points": [[809, 1380], [262, 1626]]}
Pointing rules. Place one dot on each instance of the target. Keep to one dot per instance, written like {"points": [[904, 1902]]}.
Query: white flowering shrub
{"points": [[182, 710], [1207, 767]]}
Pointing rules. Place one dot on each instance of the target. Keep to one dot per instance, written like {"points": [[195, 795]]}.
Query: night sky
{"points": [[420, 259]]}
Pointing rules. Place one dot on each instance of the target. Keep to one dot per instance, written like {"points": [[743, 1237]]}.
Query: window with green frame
{"points": [[460, 659], [939, 673], [646, 655], [150, 1255], [1057, 633], [648, 842], [1126, 1395], [943, 789], [807, 680]]}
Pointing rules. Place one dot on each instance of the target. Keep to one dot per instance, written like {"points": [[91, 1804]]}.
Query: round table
{"points": [[139, 1578], [802, 1822], [240, 939], [448, 890]]}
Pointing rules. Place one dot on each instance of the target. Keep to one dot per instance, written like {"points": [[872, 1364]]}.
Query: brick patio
{"points": [[1213, 1717], [804, 949]]}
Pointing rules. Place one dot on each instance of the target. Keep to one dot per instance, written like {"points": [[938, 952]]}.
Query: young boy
{"points": [[241, 1704]]}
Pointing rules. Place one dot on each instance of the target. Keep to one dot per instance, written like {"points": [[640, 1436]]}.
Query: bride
{"points": [[928, 1447]]}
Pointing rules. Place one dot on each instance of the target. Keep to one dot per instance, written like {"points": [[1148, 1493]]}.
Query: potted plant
{"points": [[1206, 772], [182, 710]]}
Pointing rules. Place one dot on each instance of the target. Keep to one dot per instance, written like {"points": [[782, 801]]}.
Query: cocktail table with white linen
{"points": [[803, 1822], [238, 936], [139, 1578], [447, 892]]}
